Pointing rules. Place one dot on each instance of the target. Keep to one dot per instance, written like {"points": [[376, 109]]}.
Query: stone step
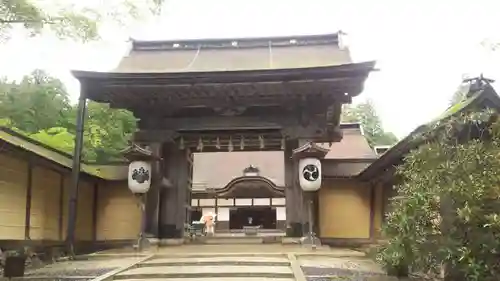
{"points": [[204, 272], [218, 260], [216, 279], [232, 240]]}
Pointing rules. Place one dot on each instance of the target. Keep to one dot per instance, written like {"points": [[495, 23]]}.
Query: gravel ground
{"points": [[323, 274], [54, 279], [71, 272]]}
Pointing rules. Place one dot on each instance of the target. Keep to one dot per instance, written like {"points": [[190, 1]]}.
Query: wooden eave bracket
{"points": [[310, 149], [134, 152]]}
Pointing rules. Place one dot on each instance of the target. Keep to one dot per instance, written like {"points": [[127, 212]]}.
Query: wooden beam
{"points": [[165, 105], [298, 78], [372, 210], [224, 123]]}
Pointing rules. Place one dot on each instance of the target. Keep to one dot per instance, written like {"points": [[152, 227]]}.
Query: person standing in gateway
{"points": [[209, 223]]}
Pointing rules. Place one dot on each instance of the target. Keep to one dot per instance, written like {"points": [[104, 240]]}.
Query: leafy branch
{"points": [[80, 24]]}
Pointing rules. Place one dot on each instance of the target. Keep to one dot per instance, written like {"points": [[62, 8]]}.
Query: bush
{"points": [[447, 211]]}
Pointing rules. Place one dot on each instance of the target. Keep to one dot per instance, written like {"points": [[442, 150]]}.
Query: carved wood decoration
{"points": [[250, 187], [244, 131]]}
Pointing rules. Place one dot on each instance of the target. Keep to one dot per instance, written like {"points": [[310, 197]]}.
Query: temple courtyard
{"points": [[235, 262]]}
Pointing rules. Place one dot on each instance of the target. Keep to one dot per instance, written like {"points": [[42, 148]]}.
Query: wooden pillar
{"points": [[167, 195], [75, 170], [153, 195], [173, 200], [373, 229], [29, 191], [95, 210], [61, 207], [305, 197], [182, 186], [292, 192]]}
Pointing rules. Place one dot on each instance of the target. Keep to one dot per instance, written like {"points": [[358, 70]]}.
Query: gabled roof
{"points": [[481, 99], [353, 145]]}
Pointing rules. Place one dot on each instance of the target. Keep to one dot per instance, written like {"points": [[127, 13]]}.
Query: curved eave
{"points": [[233, 185], [359, 70]]}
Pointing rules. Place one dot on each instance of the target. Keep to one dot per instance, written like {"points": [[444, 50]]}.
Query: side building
{"points": [[34, 192]]}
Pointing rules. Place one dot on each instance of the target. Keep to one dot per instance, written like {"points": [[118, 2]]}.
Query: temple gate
{"points": [[253, 94]]}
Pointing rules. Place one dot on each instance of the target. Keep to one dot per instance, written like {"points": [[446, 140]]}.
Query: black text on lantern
{"points": [[310, 172], [141, 175]]}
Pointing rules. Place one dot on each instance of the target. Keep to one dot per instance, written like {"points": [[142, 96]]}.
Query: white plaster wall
{"points": [[223, 214], [280, 213], [261, 201]]}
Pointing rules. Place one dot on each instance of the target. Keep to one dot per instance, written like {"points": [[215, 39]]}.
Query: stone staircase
{"points": [[215, 267], [239, 238]]}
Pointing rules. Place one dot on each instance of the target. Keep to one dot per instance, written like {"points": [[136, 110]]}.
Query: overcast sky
{"points": [[422, 47]]}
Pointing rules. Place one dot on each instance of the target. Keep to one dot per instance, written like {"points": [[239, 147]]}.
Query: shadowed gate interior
{"points": [[265, 217]]}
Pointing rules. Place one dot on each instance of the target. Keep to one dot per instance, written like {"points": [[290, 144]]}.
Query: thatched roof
{"points": [[476, 99]]}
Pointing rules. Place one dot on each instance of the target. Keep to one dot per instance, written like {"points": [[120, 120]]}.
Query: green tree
{"points": [[37, 103], [39, 107], [367, 116], [107, 132], [447, 208], [67, 21]]}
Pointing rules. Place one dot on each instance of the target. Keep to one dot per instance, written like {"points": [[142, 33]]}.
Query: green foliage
{"points": [[459, 95], [447, 208], [57, 137], [366, 114], [67, 21], [38, 102], [39, 107], [107, 131]]}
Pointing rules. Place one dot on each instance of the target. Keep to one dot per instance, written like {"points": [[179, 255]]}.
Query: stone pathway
{"points": [[216, 263], [82, 269]]}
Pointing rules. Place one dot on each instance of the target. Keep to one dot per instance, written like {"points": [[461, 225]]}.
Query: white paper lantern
{"points": [[139, 176], [310, 174]]}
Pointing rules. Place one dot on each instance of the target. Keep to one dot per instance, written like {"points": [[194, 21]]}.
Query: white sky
{"points": [[423, 47]]}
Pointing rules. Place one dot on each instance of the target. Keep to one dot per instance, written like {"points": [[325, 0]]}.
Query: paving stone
{"points": [[201, 269], [79, 268], [216, 279], [218, 259], [355, 264]]}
